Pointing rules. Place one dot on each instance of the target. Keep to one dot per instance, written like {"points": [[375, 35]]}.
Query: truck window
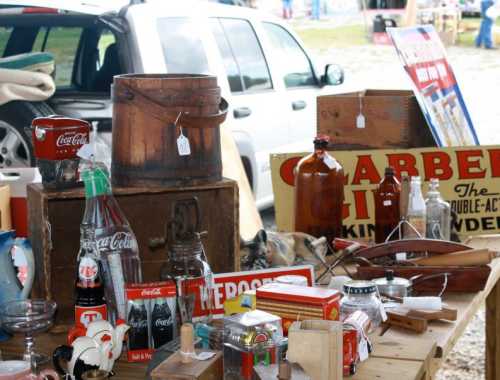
{"points": [[242, 54], [62, 42], [297, 67], [182, 47]]}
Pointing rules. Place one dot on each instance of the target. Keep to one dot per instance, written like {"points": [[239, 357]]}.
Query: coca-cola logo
{"points": [[71, 139], [138, 323], [150, 292], [166, 322], [116, 242]]}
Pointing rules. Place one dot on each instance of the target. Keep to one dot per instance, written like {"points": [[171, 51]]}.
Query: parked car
{"points": [[263, 69]]}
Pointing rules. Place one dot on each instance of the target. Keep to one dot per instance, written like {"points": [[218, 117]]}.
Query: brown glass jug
{"points": [[387, 214], [319, 193]]}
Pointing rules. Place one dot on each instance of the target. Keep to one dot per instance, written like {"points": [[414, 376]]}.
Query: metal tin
{"points": [[58, 138], [393, 286]]}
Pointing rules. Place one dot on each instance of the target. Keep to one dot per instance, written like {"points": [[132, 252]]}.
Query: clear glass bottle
{"points": [[188, 267], [438, 213], [416, 211], [115, 239], [363, 296], [387, 206], [319, 193]]}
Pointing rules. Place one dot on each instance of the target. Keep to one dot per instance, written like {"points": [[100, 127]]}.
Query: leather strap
{"points": [[126, 94]]}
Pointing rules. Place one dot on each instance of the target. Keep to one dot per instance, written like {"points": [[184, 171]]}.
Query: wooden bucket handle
{"points": [[127, 94]]}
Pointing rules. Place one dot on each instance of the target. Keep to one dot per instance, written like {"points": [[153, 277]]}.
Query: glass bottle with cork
{"points": [[387, 215], [438, 213], [319, 192]]}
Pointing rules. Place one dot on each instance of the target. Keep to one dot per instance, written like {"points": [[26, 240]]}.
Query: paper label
{"points": [[183, 146], [360, 121], [401, 256], [86, 152], [383, 314], [363, 349], [387, 202], [88, 269]]}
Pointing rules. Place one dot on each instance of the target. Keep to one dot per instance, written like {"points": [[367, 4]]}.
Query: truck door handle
{"points": [[241, 112], [299, 105]]}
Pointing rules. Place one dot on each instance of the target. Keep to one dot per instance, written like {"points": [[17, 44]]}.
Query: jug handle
{"points": [[25, 246]]}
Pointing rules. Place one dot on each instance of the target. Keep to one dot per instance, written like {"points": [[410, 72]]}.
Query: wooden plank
{"points": [[390, 369], [493, 334], [232, 167], [411, 348]]}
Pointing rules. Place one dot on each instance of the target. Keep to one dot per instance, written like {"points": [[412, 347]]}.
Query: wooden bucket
{"points": [[150, 112]]}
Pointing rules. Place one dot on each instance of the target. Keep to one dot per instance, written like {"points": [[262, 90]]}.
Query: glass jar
{"points": [[363, 296], [188, 267]]}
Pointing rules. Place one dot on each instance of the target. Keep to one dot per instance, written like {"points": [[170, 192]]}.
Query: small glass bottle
{"points": [[416, 211], [363, 296], [438, 213], [319, 193], [387, 206]]}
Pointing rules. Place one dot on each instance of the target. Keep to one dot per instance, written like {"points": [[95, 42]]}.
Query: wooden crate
{"points": [[55, 217], [393, 120]]}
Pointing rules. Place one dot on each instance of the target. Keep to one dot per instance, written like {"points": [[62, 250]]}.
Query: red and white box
{"points": [[151, 315], [295, 302]]}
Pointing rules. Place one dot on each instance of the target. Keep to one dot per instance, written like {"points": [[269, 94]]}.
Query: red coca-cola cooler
{"points": [[56, 141]]}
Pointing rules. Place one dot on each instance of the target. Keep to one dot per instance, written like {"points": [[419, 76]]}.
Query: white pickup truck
{"points": [[264, 71]]}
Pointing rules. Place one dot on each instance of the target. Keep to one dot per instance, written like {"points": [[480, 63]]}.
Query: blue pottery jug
{"points": [[10, 287]]}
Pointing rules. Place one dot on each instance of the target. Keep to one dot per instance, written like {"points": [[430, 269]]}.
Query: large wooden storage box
{"points": [[55, 217], [393, 120]]}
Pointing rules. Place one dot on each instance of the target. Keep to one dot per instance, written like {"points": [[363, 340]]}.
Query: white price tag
{"points": [[330, 162], [363, 350], [183, 146], [387, 202], [401, 256], [205, 355], [383, 314], [86, 152]]}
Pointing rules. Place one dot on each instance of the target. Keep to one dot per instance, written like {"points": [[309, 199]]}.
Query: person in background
{"points": [[287, 9], [485, 30], [315, 11]]}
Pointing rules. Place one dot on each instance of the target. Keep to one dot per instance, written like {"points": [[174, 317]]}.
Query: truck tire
{"points": [[16, 148]]}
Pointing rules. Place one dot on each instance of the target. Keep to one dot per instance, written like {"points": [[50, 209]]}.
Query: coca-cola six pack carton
{"points": [[151, 310]]}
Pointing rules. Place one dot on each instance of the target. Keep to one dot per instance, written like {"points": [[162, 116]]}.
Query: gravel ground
{"points": [[478, 73]]}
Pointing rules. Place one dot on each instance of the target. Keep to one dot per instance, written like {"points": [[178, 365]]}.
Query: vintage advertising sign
{"points": [[469, 179], [231, 285], [435, 85]]}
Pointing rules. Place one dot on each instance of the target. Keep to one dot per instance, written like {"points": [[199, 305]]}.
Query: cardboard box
{"points": [[393, 120]]}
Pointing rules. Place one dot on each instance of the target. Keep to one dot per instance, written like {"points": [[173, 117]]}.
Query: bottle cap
{"points": [[321, 141], [389, 170], [96, 181]]}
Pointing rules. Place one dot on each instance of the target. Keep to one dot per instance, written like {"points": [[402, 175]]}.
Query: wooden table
{"points": [[398, 354]]}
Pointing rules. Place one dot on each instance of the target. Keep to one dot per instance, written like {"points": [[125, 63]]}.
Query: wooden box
{"points": [[173, 369], [54, 223], [393, 120]]}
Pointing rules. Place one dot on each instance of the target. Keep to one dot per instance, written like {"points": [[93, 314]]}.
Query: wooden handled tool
{"points": [[462, 258], [401, 319], [431, 315]]}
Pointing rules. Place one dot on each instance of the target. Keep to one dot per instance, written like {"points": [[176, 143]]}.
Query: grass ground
{"points": [[352, 35]]}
